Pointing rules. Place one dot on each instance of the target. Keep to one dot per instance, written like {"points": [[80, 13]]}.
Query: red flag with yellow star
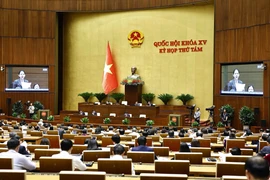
{"points": [[109, 82]]}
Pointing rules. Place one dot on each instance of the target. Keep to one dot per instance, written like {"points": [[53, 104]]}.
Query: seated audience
{"points": [[266, 149], [181, 134], [257, 168], [195, 143], [184, 147], [236, 151], [20, 162], [22, 149], [264, 137], [199, 135], [134, 132], [118, 153], [66, 147], [121, 131], [171, 134], [93, 145], [247, 133], [142, 145], [116, 139], [45, 141]]}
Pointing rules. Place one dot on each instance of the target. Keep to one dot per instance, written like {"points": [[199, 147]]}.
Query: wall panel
{"points": [[241, 36], [261, 43], [44, 98], [96, 5], [28, 23], [233, 14], [27, 51]]}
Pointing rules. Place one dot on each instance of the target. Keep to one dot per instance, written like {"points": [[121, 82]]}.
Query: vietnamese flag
{"points": [[109, 82]]}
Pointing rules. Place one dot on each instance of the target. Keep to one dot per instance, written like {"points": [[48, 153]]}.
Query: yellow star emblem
{"points": [[107, 68]]}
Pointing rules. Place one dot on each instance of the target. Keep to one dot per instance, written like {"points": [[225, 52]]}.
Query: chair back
{"points": [[112, 148], [51, 164], [252, 138], [155, 138], [193, 157], [205, 142], [3, 150], [226, 177], [172, 167], [206, 151], [155, 176], [112, 166], [186, 139], [54, 140], [6, 163], [53, 132], [45, 152], [93, 155], [163, 135], [97, 136], [172, 143], [245, 151], [78, 148], [230, 143], [32, 147], [125, 138], [3, 145], [69, 136], [80, 139], [141, 156], [106, 140], [230, 168], [235, 158], [261, 145], [36, 133], [161, 151], [212, 139], [71, 175], [13, 174]]}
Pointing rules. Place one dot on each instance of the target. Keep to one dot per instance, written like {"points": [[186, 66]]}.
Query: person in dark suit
{"points": [[231, 86], [17, 84], [142, 145]]}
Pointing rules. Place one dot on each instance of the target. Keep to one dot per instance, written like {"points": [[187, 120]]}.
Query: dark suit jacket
{"points": [[22, 150], [142, 148]]}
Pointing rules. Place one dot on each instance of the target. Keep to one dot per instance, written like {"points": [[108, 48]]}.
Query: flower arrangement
{"points": [[172, 123], [132, 81], [85, 120], [126, 121], [106, 120], [150, 122], [50, 118], [67, 119]]}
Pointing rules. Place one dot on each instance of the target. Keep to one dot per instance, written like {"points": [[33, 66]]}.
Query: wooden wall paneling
{"points": [[266, 80], [13, 23], [97, 5], [233, 14], [217, 79], [243, 45], [261, 43], [43, 97], [221, 46], [26, 51], [29, 23]]}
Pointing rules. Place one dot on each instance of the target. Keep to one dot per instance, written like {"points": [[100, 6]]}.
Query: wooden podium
{"points": [[133, 94]]}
